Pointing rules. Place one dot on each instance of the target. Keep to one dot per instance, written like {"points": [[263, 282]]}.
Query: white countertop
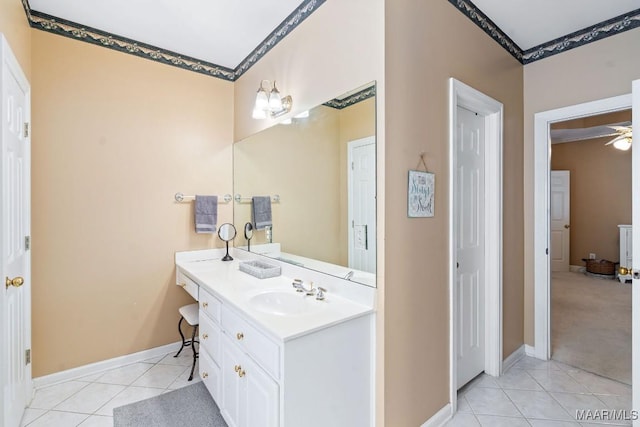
{"points": [[234, 287]]}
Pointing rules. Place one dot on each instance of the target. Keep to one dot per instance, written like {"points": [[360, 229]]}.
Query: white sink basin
{"points": [[283, 303]]}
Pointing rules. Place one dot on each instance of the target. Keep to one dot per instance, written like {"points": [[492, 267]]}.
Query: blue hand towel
{"points": [[261, 211], [206, 210]]}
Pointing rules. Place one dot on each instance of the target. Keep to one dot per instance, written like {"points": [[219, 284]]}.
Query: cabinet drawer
{"points": [[210, 374], [187, 284], [210, 337], [258, 346], [210, 305]]}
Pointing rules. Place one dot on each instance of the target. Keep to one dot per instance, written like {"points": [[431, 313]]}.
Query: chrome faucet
{"points": [[349, 275], [320, 295], [299, 285]]}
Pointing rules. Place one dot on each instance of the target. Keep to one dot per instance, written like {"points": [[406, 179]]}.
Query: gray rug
{"points": [[189, 406], [591, 324]]}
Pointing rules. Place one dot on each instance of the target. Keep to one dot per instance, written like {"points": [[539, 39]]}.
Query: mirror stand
{"points": [[227, 232]]}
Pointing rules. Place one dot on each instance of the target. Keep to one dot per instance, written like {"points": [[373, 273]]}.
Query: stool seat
{"points": [[190, 313]]}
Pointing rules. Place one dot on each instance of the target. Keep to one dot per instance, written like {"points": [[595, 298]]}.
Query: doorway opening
{"points": [[489, 130], [590, 212]]}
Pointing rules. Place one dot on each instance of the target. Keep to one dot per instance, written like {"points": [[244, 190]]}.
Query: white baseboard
{"points": [[105, 365], [577, 268], [513, 358], [440, 418], [529, 350]]}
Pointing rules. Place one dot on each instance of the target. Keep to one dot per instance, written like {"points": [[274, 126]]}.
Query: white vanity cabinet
{"points": [[249, 396], [262, 370]]}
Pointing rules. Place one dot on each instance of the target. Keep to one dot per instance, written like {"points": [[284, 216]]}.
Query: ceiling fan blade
{"points": [[621, 128], [619, 137], [570, 135]]}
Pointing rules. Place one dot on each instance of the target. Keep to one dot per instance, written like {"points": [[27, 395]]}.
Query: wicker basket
{"points": [[601, 266]]}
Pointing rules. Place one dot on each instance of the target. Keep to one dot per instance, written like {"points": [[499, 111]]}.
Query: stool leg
{"points": [[182, 336], [193, 348]]}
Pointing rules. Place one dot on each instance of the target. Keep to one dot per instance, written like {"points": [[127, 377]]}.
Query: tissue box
{"points": [[260, 269]]}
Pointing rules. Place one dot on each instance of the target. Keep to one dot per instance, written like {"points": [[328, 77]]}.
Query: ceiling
{"points": [[530, 23], [225, 33], [220, 32]]}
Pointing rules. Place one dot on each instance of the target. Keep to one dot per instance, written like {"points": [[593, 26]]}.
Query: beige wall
{"points": [[15, 27], [598, 70], [426, 44], [114, 138], [600, 196]]}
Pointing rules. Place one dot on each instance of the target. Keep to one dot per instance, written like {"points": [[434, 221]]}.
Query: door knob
{"points": [[16, 282], [567, 226]]}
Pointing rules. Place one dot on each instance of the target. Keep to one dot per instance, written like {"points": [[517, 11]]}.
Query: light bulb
{"points": [[275, 102], [623, 144], [259, 113], [262, 100]]}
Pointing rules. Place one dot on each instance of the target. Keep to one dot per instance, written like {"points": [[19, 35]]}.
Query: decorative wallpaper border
{"points": [[289, 24], [55, 25], [608, 28], [359, 96], [578, 38], [94, 36], [478, 17]]}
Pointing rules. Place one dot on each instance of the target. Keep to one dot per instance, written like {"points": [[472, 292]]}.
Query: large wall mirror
{"points": [[319, 168]]}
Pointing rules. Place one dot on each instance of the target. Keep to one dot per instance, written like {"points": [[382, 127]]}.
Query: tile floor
{"points": [[535, 393], [532, 393], [89, 401]]}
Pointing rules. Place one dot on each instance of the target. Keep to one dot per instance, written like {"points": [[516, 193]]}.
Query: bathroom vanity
{"points": [[271, 356]]}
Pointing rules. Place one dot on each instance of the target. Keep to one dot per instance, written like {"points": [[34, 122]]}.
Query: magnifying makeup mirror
{"points": [[248, 234], [227, 232]]}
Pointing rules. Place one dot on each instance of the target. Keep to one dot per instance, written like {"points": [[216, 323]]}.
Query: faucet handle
{"points": [[320, 294], [297, 284]]}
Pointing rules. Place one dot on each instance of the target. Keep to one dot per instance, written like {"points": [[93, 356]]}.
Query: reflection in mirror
{"points": [[322, 163], [227, 232], [248, 234]]}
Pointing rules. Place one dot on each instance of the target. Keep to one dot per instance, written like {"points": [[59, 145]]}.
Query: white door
{"points": [[15, 301], [362, 204], [230, 407], [559, 238], [635, 190], [470, 245]]}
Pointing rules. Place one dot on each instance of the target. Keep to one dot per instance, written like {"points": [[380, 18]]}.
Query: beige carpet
{"points": [[591, 324]]}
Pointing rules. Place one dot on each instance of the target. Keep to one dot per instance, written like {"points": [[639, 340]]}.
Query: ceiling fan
{"points": [[622, 134], [623, 137]]}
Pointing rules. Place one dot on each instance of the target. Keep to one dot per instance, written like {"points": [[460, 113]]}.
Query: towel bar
{"points": [[181, 197], [239, 199]]}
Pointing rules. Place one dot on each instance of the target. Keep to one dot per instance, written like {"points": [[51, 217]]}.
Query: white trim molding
{"points": [[440, 418], [105, 365], [542, 167], [513, 358], [529, 350], [461, 95]]}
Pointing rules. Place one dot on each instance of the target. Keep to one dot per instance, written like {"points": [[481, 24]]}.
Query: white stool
{"points": [[190, 314]]}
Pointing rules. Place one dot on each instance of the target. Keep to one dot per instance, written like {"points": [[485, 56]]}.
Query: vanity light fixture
{"points": [[269, 102]]}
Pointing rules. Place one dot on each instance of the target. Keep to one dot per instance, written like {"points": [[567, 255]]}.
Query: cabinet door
{"points": [[232, 386], [262, 397]]}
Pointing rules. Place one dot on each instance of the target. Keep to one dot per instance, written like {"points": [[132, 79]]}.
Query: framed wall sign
{"points": [[421, 194]]}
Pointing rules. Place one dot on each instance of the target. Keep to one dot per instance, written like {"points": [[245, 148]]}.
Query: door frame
{"points": [[462, 95], [9, 63], [541, 211], [351, 145]]}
